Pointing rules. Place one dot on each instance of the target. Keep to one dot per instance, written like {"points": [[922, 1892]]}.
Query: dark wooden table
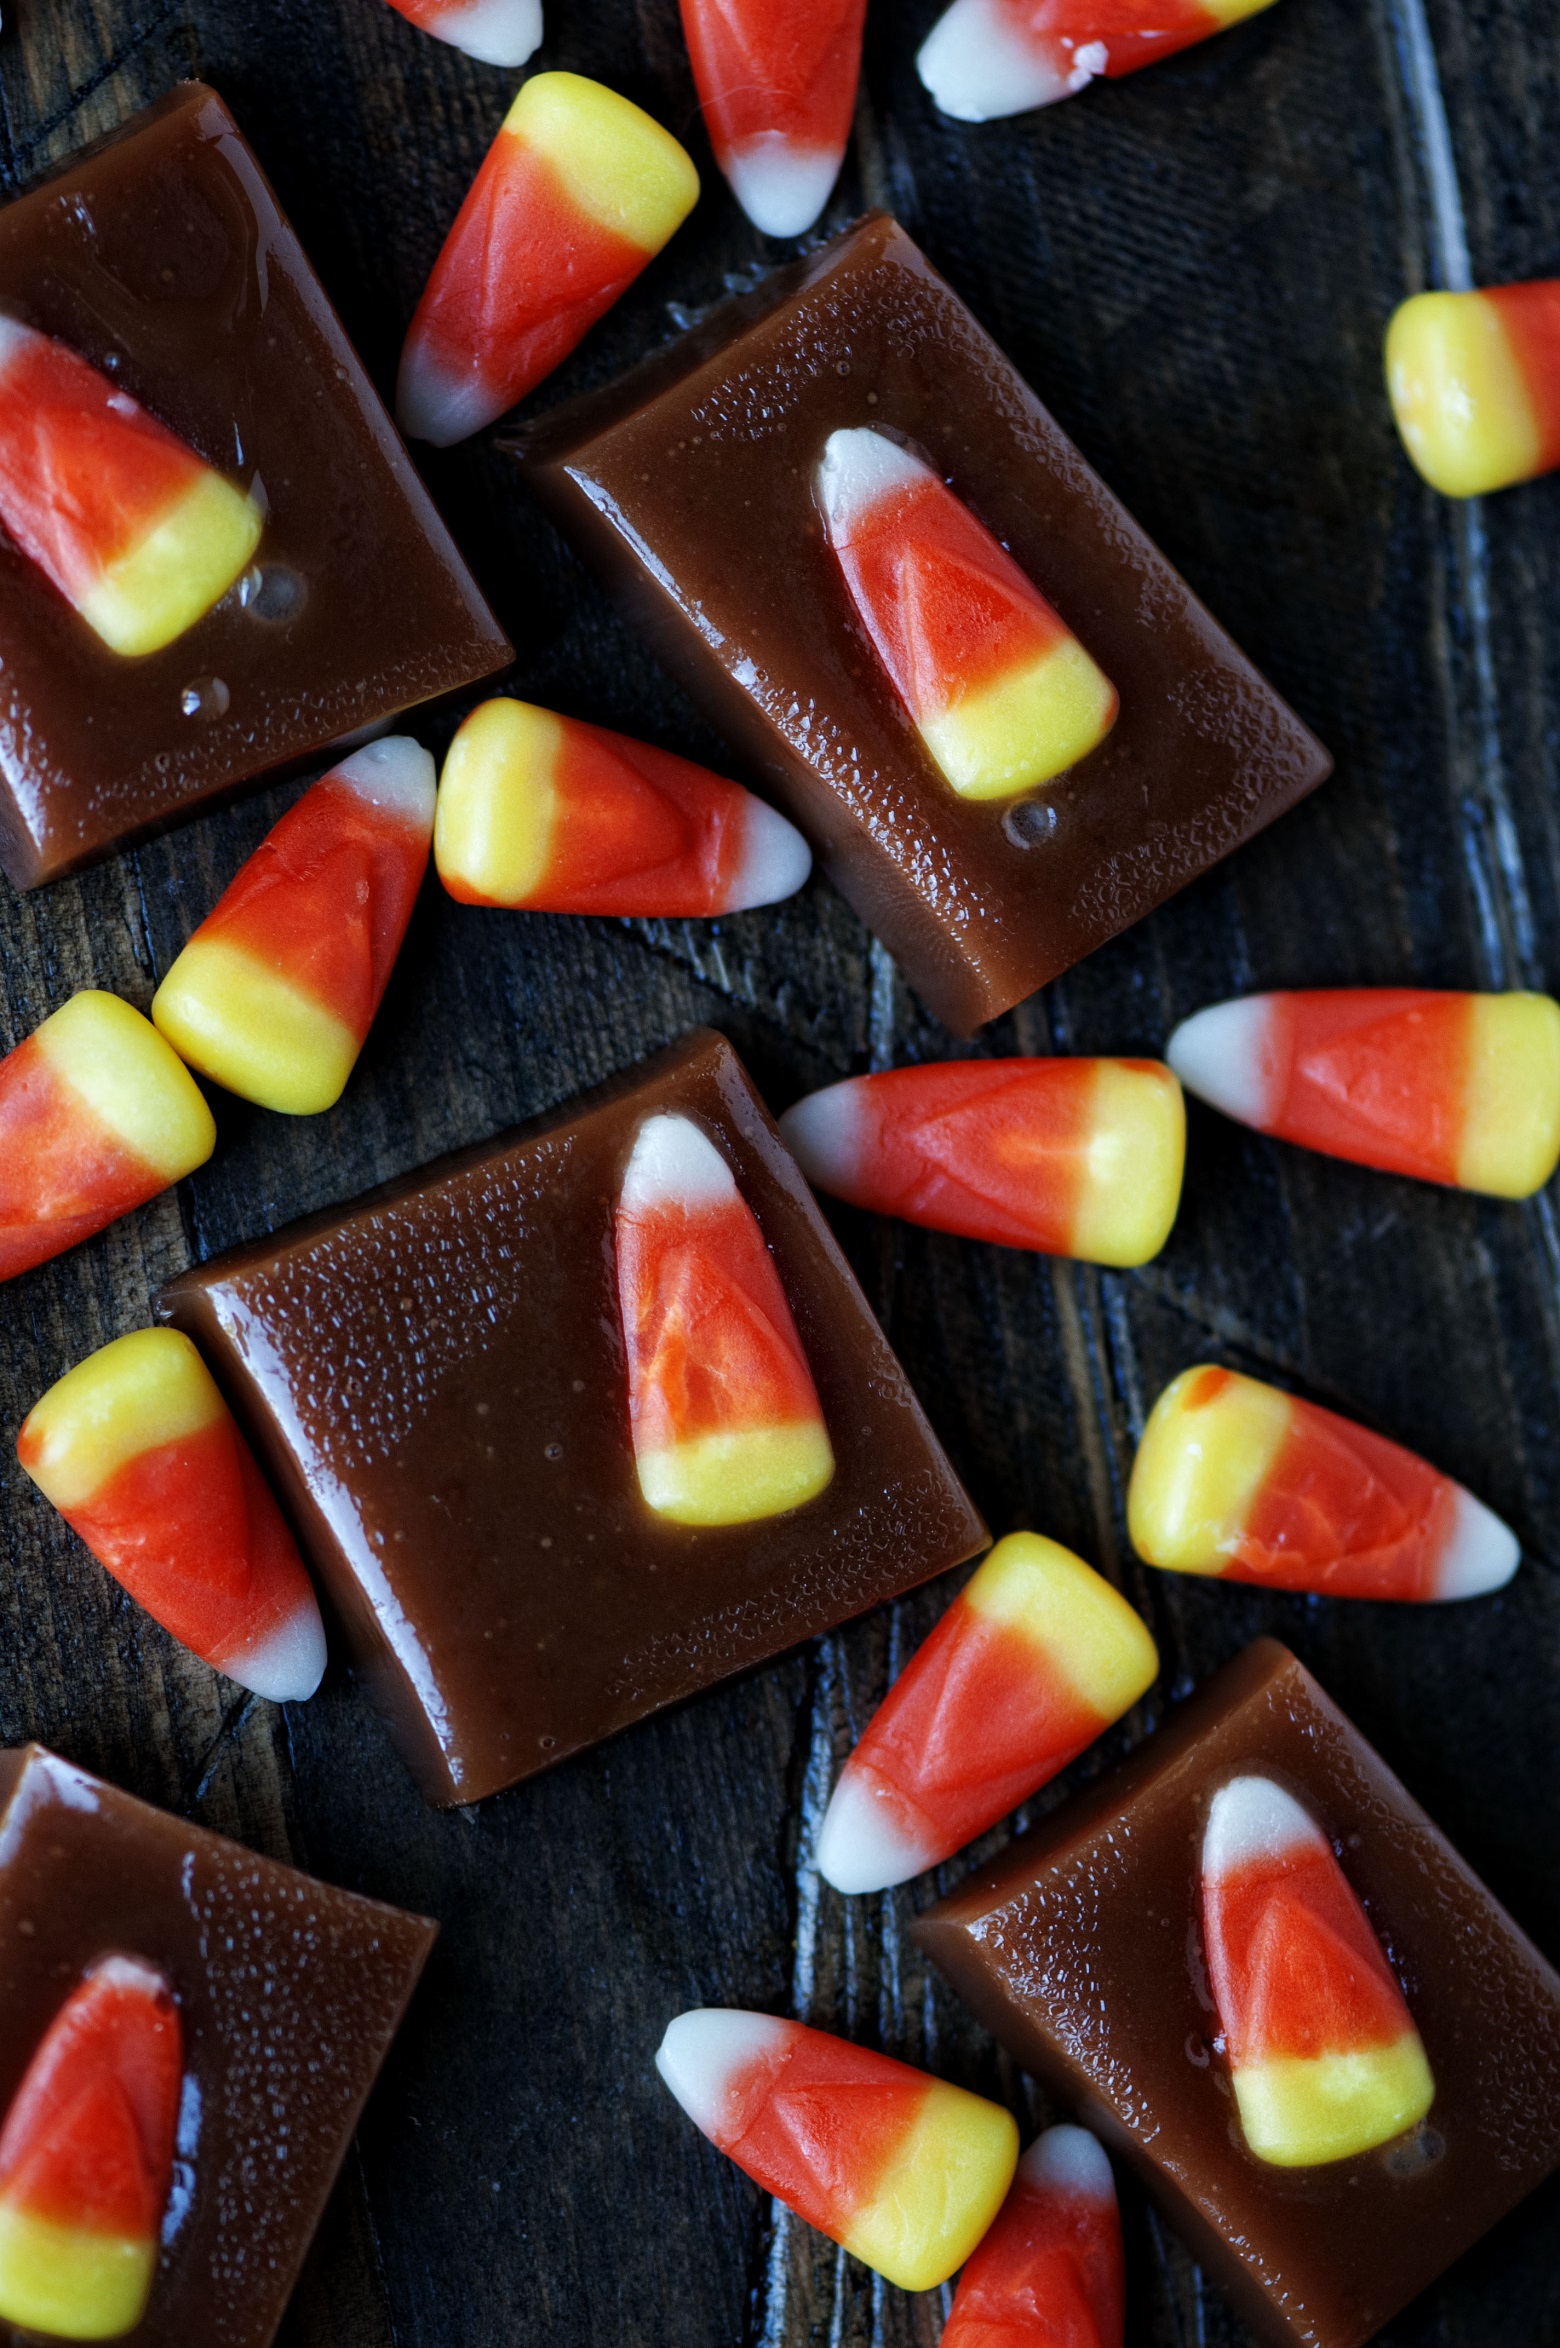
{"points": [[1194, 268]]}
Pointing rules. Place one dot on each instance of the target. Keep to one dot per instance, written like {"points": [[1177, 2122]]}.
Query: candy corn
{"points": [[86, 2157], [999, 689], [1074, 1157], [136, 531], [139, 1453], [1474, 380], [562, 817], [1032, 1661], [1323, 2052], [778, 90], [495, 32], [276, 991], [725, 1417], [1234, 1478], [985, 58], [577, 193], [97, 1115], [903, 2170], [1050, 2273], [1452, 1088]]}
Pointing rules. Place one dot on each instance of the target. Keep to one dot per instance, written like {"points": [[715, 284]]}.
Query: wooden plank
{"points": [[1194, 268]]}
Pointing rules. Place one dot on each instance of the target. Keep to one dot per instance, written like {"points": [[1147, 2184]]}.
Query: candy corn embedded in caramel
{"points": [[985, 58], [577, 193], [97, 1115], [1474, 380], [137, 532], [495, 32], [1235, 1479], [140, 1454], [1323, 2052], [86, 2157], [725, 1417], [558, 816], [1073, 1157], [777, 87], [997, 686], [903, 2170], [276, 991], [1462, 1089], [1050, 2274], [1033, 1660]]}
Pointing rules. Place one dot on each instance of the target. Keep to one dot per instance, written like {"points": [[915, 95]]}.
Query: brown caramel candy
{"points": [[1081, 1950], [436, 1378], [691, 485], [289, 1995], [161, 257]]}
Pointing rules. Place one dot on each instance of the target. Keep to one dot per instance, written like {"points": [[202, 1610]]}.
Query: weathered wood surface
{"points": [[1194, 269]]}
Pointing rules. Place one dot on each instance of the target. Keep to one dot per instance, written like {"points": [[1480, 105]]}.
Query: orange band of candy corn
{"points": [[139, 1453], [1235, 1478], [97, 1115], [1323, 2052], [136, 531], [903, 2170], [1074, 1157], [86, 2157]]}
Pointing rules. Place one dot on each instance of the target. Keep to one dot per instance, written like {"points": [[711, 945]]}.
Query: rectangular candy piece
{"points": [[285, 1996], [694, 485], [439, 1379], [160, 259], [1088, 1949]]}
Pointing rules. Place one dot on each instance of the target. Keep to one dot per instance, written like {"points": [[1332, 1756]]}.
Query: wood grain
{"points": [[1194, 269]]}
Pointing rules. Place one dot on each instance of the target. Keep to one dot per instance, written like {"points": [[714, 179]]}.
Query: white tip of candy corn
{"points": [[1069, 2160], [823, 1135], [706, 2051], [1481, 1554], [395, 774], [860, 1847], [775, 860], [782, 187], [433, 405], [495, 32], [675, 1165], [1222, 1055], [289, 1665], [858, 467], [1252, 1818], [977, 68]]}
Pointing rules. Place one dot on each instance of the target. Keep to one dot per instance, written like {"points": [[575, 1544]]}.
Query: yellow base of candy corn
{"points": [[735, 1479], [177, 571], [1198, 1469], [1298, 2111], [1025, 728], [1131, 1191], [129, 1397], [70, 2283], [130, 1081], [620, 167], [940, 2193], [1511, 1140], [1458, 395], [252, 1031], [492, 835], [1228, 12], [1085, 1629]]}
